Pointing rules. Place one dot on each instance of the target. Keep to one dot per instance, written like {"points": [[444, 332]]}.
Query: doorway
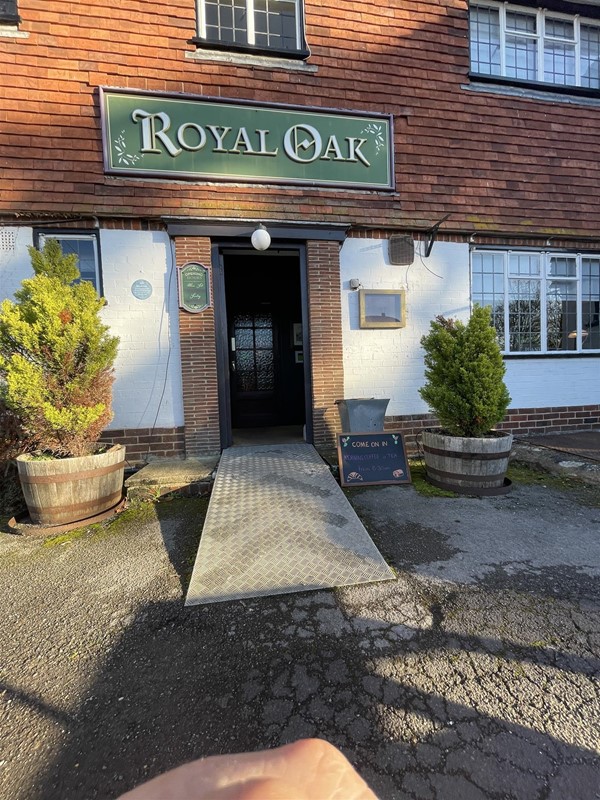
{"points": [[265, 345]]}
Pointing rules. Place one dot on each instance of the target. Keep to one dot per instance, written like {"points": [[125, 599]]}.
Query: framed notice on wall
{"points": [[194, 287], [382, 308]]}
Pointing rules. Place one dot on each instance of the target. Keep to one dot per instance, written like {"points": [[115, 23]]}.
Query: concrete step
{"points": [[190, 476]]}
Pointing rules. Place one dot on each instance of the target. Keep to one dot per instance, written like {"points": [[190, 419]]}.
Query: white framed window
{"points": [[84, 245], [264, 25], [542, 302], [534, 44]]}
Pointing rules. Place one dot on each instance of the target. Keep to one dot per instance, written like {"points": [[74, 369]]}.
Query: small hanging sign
{"points": [[194, 287]]}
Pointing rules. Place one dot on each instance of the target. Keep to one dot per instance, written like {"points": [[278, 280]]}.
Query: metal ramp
{"points": [[278, 523]]}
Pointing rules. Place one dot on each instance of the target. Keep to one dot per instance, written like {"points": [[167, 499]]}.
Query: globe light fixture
{"points": [[260, 238]]}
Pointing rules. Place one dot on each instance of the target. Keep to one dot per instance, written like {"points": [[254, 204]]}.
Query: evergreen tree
{"points": [[56, 356], [464, 371]]}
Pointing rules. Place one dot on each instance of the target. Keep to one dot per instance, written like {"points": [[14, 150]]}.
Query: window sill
{"points": [[251, 60], [534, 91], [12, 32], [529, 356]]}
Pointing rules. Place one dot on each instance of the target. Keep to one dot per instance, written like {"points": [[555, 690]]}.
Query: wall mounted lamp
{"points": [[354, 284], [261, 238]]}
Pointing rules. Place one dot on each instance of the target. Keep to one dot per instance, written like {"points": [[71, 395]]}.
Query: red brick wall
{"points": [[325, 313], [145, 443], [497, 162], [198, 362], [519, 421]]}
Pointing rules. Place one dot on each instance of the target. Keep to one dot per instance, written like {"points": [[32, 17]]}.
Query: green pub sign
{"points": [[206, 139], [194, 287]]}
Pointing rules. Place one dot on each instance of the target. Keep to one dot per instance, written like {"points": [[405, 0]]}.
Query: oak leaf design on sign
{"points": [[123, 156], [376, 131]]}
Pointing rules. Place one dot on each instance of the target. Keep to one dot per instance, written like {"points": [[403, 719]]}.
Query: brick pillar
{"points": [[325, 312], [198, 361]]}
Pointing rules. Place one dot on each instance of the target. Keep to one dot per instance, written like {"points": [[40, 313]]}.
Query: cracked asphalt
{"points": [[474, 675]]}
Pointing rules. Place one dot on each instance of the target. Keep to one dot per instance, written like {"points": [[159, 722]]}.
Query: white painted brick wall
{"points": [[389, 363], [147, 390], [377, 363], [549, 382]]}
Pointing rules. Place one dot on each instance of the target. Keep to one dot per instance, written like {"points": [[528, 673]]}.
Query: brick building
{"points": [[407, 159]]}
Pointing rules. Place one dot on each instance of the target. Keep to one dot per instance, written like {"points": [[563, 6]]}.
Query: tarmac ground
{"points": [[474, 675]]}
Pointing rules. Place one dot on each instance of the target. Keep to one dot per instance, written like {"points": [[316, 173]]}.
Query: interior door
{"points": [[253, 358]]}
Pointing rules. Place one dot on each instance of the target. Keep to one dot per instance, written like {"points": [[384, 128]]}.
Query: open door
{"points": [[265, 341]]}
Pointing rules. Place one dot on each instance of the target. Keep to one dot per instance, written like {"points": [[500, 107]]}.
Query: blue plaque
{"points": [[141, 289]]}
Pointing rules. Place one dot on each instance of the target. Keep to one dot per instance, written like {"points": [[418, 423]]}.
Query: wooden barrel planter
{"points": [[475, 466], [64, 490]]}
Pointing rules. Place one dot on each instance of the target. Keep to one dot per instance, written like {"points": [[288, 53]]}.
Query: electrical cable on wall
{"points": [[420, 254], [166, 299]]}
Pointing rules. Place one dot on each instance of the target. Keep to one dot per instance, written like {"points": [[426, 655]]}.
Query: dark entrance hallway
{"points": [[266, 356]]}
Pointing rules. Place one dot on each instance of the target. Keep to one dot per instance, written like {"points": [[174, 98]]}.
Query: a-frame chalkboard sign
{"points": [[366, 459]]}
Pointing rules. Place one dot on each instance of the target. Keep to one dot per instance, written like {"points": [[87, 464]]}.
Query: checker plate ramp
{"points": [[277, 523], [578, 443]]}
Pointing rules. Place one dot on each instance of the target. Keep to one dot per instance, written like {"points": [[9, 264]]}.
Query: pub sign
{"points": [[181, 136]]}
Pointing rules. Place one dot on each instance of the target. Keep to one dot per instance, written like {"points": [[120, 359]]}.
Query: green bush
{"points": [[464, 371], [56, 357]]}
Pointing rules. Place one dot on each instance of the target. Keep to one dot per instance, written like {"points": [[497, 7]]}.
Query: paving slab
{"points": [[278, 523], [193, 475]]}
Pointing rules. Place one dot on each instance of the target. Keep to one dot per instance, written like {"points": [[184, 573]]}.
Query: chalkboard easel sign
{"points": [[194, 287], [367, 459]]}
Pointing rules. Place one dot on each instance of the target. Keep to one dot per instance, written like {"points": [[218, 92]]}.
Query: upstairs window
{"points": [[541, 302], [85, 247], [270, 26], [9, 14], [534, 45]]}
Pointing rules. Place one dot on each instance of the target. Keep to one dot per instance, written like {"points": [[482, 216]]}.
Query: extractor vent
{"points": [[401, 250]]}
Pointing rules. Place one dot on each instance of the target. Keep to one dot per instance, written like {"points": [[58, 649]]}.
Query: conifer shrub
{"points": [[56, 358], [464, 371]]}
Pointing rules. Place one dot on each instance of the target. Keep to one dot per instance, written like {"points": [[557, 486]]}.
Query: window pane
{"points": [[85, 250], [521, 57], [590, 56], [559, 28], [264, 337], [521, 23], [561, 315], [590, 303], [244, 338], [488, 287], [559, 63], [275, 24], [564, 267], [263, 320], [524, 316], [485, 40], [226, 21], [245, 370], [8, 9], [524, 264]]}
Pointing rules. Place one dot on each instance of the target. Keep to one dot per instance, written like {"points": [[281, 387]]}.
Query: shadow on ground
{"points": [[435, 689]]}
